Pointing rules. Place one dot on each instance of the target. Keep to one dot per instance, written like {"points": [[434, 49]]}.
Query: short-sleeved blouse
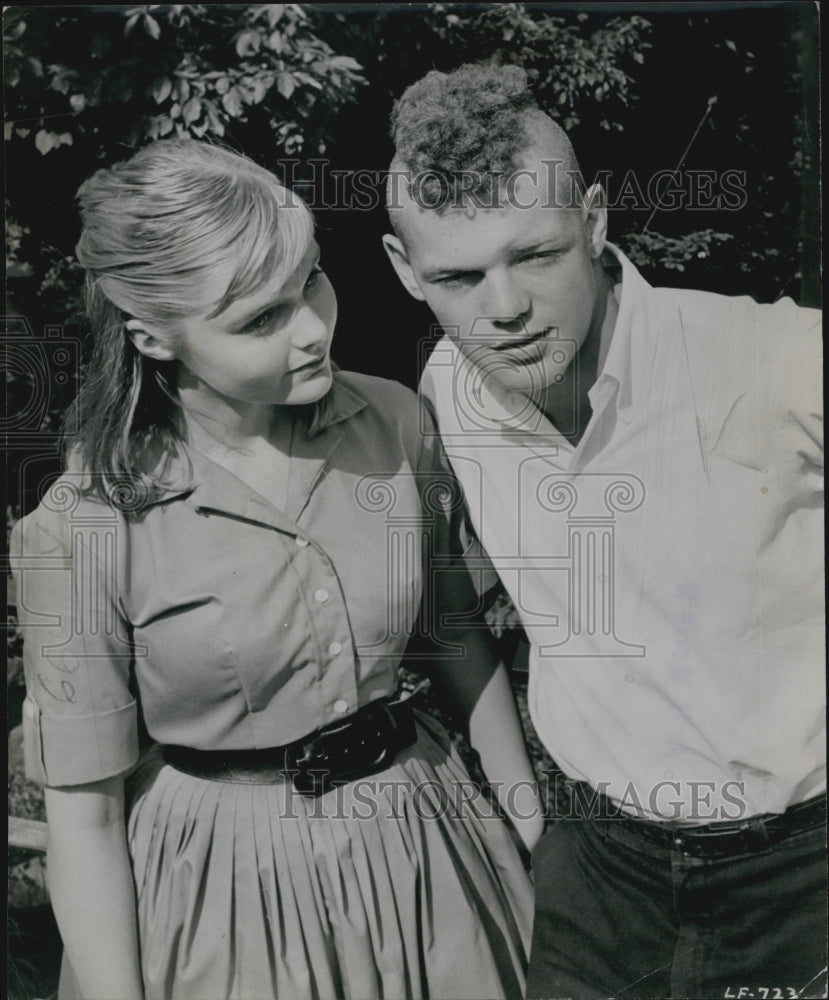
{"points": [[233, 624]]}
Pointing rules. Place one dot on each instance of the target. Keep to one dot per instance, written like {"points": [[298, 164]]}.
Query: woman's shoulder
{"points": [[386, 404], [376, 392], [47, 530]]}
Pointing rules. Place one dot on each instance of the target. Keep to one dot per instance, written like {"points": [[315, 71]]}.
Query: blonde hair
{"points": [[160, 230]]}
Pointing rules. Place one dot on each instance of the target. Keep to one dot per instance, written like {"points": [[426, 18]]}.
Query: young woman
{"points": [[233, 563]]}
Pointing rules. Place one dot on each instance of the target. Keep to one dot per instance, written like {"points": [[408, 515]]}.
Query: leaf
{"points": [[285, 84], [345, 62], [248, 43], [232, 102], [730, 45], [46, 141], [77, 102], [161, 89], [274, 12], [191, 110], [132, 20], [259, 87], [152, 27]]}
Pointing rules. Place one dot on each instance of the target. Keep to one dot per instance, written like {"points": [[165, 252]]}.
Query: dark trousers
{"points": [[617, 916]]}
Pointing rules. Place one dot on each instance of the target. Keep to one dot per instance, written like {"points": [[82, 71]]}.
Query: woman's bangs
{"points": [[276, 233]]}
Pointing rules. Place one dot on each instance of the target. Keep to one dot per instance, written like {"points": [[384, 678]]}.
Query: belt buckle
{"points": [[321, 766], [732, 838]]}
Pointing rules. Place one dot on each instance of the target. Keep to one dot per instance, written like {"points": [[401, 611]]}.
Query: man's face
{"points": [[517, 288]]}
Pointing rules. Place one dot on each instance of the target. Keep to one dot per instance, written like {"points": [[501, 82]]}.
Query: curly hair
{"points": [[460, 133]]}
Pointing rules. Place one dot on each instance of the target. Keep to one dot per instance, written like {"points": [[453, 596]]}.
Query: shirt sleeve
{"points": [[459, 572], [796, 369], [80, 719]]}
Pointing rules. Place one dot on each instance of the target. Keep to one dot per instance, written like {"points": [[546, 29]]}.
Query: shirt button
{"points": [[302, 542], [335, 648], [341, 706], [321, 595]]}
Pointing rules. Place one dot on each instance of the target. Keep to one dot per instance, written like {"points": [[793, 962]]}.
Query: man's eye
{"points": [[457, 280], [540, 256]]}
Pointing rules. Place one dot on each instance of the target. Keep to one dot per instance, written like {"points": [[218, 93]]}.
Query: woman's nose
{"points": [[311, 330]]}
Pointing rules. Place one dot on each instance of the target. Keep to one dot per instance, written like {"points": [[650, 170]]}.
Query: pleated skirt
{"points": [[405, 884]]}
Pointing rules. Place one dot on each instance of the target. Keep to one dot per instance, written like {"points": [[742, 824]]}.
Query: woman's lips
{"points": [[311, 364]]}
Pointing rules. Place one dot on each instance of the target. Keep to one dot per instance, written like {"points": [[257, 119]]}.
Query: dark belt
{"points": [[722, 839], [362, 744]]}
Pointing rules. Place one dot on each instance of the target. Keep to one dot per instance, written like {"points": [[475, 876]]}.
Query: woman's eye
{"points": [[313, 277], [263, 321]]}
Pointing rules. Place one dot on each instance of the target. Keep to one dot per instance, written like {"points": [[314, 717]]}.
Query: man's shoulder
{"points": [[737, 316]]}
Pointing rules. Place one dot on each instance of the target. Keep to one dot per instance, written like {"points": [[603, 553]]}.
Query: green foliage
{"points": [[671, 252], [578, 64], [164, 70]]}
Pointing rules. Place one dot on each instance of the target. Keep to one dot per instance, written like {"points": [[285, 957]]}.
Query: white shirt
{"points": [[668, 571]]}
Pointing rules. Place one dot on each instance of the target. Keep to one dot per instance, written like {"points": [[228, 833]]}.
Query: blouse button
{"points": [[335, 648], [302, 542], [341, 706], [321, 595]]}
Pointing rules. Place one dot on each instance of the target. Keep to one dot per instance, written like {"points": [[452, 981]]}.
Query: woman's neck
{"points": [[233, 423]]}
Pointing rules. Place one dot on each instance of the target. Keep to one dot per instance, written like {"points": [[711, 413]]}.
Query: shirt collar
{"points": [[189, 471], [630, 353]]}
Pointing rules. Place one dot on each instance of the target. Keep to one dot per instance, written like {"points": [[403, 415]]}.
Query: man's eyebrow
{"points": [[435, 273], [516, 250], [551, 243]]}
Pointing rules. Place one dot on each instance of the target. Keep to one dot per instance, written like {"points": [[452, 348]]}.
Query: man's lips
{"points": [[520, 347]]}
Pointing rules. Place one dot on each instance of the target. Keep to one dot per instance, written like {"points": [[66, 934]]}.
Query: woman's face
{"points": [[271, 346]]}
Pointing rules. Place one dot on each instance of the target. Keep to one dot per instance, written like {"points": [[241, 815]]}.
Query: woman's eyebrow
{"points": [[249, 317]]}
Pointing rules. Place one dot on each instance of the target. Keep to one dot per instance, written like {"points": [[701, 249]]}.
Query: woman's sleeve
{"points": [[80, 719], [459, 572]]}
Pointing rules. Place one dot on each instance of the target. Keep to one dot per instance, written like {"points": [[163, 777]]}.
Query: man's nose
{"points": [[508, 303]]}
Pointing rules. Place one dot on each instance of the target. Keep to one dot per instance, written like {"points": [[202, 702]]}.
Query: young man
{"points": [[644, 469]]}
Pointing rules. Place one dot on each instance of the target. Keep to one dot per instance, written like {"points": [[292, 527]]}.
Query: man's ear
{"points": [[400, 262], [594, 211], [148, 342]]}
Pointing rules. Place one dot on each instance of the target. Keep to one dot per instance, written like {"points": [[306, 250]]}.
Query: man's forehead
{"points": [[473, 230]]}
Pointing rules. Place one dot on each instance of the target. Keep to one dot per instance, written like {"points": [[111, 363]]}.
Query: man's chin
{"points": [[529, 379]]}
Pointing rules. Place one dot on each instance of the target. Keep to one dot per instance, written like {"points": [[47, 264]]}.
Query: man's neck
{"points": [[566, 404]]}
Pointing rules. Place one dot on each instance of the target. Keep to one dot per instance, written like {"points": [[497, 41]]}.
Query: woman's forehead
{"points": [[265, 257]]}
